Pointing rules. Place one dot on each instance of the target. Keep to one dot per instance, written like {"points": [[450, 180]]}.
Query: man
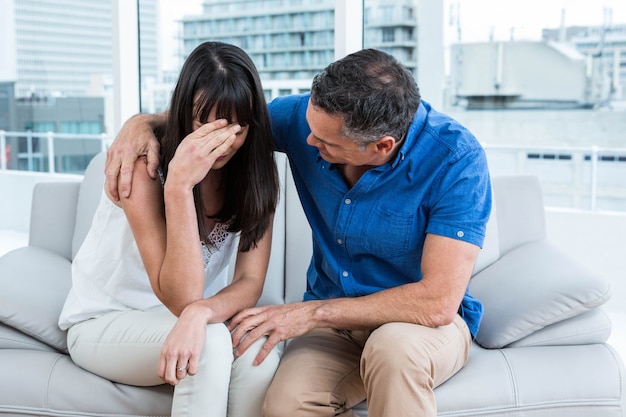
{"points": [[397, 196]]}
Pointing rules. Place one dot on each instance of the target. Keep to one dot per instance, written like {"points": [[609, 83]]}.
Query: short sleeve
{"points": [[461, 199]]}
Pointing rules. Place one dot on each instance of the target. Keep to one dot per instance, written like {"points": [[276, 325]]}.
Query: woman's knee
{"points": [[243, 364], [218, 344]]}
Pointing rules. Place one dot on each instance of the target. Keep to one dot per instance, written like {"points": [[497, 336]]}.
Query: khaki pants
{"points": [[396, 367], [125, 347]]}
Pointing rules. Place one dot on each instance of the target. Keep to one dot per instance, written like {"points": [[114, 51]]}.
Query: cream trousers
{"points": [[125, 347], [396, 368]]}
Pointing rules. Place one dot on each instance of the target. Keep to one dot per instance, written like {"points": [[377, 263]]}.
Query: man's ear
{"points": [[385, 145]]}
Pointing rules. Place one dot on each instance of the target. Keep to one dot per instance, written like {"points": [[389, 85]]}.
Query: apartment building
{"points": [[294, 39]]}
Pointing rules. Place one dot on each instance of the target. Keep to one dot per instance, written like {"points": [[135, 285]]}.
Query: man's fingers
{"points": [[112, 171], [111, 186], [265, 350], [152, 159], [244, 314], [126, 176], [245, 321], [252, 333]]}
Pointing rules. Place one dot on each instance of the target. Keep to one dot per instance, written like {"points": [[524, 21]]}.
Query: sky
{"points": [[171, 10], [480, 20], [524, 19]]}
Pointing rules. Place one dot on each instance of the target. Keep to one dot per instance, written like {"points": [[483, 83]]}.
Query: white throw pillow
{"points": [[33, 286], [531, 287]]}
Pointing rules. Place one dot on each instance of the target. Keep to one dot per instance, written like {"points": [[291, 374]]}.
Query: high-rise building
{"points": [[65, 47], [57, 76], [294, 39]]}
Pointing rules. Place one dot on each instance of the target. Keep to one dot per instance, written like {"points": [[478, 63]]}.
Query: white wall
{"points": [[598, 241]]}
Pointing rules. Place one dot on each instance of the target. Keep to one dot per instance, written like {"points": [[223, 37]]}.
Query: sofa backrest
{"points": [[517, 217], [490, 252], [298, 244], [521, 214], [52, 216], [90, 192], [88, 198], [274, 288]]}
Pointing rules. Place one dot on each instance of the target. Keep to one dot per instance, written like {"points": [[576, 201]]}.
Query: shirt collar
{"points": [[418, 124]]}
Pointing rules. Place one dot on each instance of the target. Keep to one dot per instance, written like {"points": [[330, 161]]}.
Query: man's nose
{"points": [[313, 142]]}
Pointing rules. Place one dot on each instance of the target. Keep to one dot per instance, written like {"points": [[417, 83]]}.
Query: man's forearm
{"points": [[155, 121]]}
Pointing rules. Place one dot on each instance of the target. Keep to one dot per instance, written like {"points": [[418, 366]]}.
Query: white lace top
{"points": [[218, 236], [108, 273]]}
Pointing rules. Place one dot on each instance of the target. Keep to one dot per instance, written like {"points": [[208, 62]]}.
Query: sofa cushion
{"points": [[531, 287], [592, 326], [555, 381], [89, 196], [33, 286], [50, 384], [521, 216], [14, 339], [490, 251]]}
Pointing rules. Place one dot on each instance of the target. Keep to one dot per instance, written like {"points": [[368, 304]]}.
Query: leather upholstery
{"points": [[557, 365]]}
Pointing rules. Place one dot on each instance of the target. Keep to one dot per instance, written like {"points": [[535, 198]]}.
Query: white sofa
{"points": [[540, 351]]}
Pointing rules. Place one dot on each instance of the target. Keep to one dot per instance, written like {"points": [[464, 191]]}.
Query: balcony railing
{"points": [[49, 152], [588, 178], [581, 177]]}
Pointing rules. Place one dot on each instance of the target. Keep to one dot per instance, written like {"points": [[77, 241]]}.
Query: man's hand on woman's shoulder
{"points": [[135, 139]]}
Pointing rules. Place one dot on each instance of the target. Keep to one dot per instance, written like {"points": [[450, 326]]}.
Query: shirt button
{"points": [[345, 274], [348, 201], [460, 233], [339, 241]]}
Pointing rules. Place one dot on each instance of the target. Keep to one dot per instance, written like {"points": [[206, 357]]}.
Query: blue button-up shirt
{"points": [[370, 237]]}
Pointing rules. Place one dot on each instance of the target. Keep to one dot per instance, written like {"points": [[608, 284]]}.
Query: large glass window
{"points": [[56, 78], [528, 84], [544, 93]]}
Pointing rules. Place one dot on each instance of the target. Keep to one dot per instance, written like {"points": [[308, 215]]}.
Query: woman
{"points": [[149, 297]]}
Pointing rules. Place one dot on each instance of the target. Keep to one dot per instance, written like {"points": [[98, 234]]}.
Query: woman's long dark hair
{"points": [[223, 76]]}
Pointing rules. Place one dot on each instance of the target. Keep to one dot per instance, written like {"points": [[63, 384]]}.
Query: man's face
{"points": [[332, 145]]}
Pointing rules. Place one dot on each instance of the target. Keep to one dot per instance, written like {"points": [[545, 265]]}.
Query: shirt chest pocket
{"points": [[388, 232]]}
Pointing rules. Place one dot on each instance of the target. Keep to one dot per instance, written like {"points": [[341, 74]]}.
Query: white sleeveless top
{"points": [[108, 273]]}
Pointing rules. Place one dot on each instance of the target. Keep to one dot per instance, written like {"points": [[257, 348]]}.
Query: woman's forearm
{"points": [[181, 280]]}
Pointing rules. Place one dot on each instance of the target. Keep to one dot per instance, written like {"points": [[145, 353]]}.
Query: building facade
{"points": [[57, 77], [294, 39], [64, 48], [605, 43]]}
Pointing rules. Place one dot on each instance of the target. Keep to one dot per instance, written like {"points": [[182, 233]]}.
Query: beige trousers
{"points": [[125, 347], [396, 368]]}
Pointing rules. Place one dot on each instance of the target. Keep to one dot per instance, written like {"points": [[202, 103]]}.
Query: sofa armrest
{"points": [[53, 214]]}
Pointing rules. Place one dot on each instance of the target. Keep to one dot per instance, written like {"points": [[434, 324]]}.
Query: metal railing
{"points": [[589, 173], [582, 175], [40, 146]]}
